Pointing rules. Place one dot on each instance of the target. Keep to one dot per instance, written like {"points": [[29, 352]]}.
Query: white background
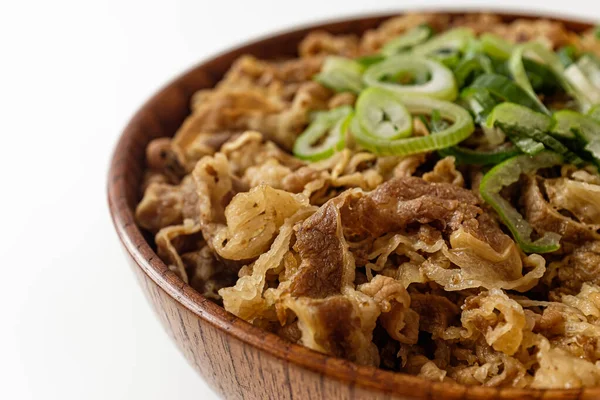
{"points": [[73, 323]]}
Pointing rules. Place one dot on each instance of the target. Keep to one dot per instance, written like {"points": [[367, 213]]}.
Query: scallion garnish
{"points": [[567, 55], [495, 46], [502, 85], [565, 79], [506, 90], [341, 74], [325, 135], [454, 39], [383, 115], [589, 64], [407, 40], [466, 156], [460, 127], [529, 130], [507, 173], [580, 131], [440, 84], [594, 112], [471, 67]]}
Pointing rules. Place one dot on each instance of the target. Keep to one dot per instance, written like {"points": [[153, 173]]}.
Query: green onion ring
{"points": [[382, 115], [455, 39], [441, 85], [461, 128], [341, 74], [407, 40], [329, 128]]}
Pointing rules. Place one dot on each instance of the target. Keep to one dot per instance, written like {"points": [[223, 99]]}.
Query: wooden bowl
{"points": [[238, 360]]}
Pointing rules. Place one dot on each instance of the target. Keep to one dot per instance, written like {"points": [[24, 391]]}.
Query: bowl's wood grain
{"points": [[238, 360]]}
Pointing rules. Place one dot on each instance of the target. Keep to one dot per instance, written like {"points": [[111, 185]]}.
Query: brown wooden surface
{"points": [[238, 360]]}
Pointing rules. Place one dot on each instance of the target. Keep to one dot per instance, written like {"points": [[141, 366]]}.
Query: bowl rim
{"points": [[372, 378]]}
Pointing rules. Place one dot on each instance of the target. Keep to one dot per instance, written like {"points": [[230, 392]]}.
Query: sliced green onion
{"points": [[325, 135], [569, 79], [425, 122], [567, 55], [480, 102], [594, 112], [341, 74], [568, 120], [476, 64], [449, 57], [518, 72], [460, 129], [407, 40], [507, 90], [473, 48], [507, 173], [520, 124], [367, 61], [382, 115], [597, 32], [437, 122], [581, 131], [515, 114], [441, 84], [454, 39], [525, 144], [466, 156], [527, 130], [540, 76], [590, 66], [594, 149], [495, 46], [589, 95], [500, 67]]}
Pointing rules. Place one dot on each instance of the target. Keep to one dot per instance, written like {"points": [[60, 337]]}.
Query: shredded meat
{"points": [[391, 207], [164, 205], [498, 318], [296, 182], [435, 312], [320, 43], [578, 198], [206, 273], [523, 30], [339, 326], [583, 265], [402, 201], [318, 243], [551, 322], [544, 218], [445, 172]]}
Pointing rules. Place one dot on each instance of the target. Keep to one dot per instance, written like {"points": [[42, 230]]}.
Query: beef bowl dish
{"points": [[422, 197]]}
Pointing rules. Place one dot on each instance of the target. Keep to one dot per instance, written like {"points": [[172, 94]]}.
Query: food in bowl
{"points": [[424, 198]]}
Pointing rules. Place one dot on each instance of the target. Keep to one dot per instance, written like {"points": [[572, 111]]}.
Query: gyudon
{"points": [[424, 198]]}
